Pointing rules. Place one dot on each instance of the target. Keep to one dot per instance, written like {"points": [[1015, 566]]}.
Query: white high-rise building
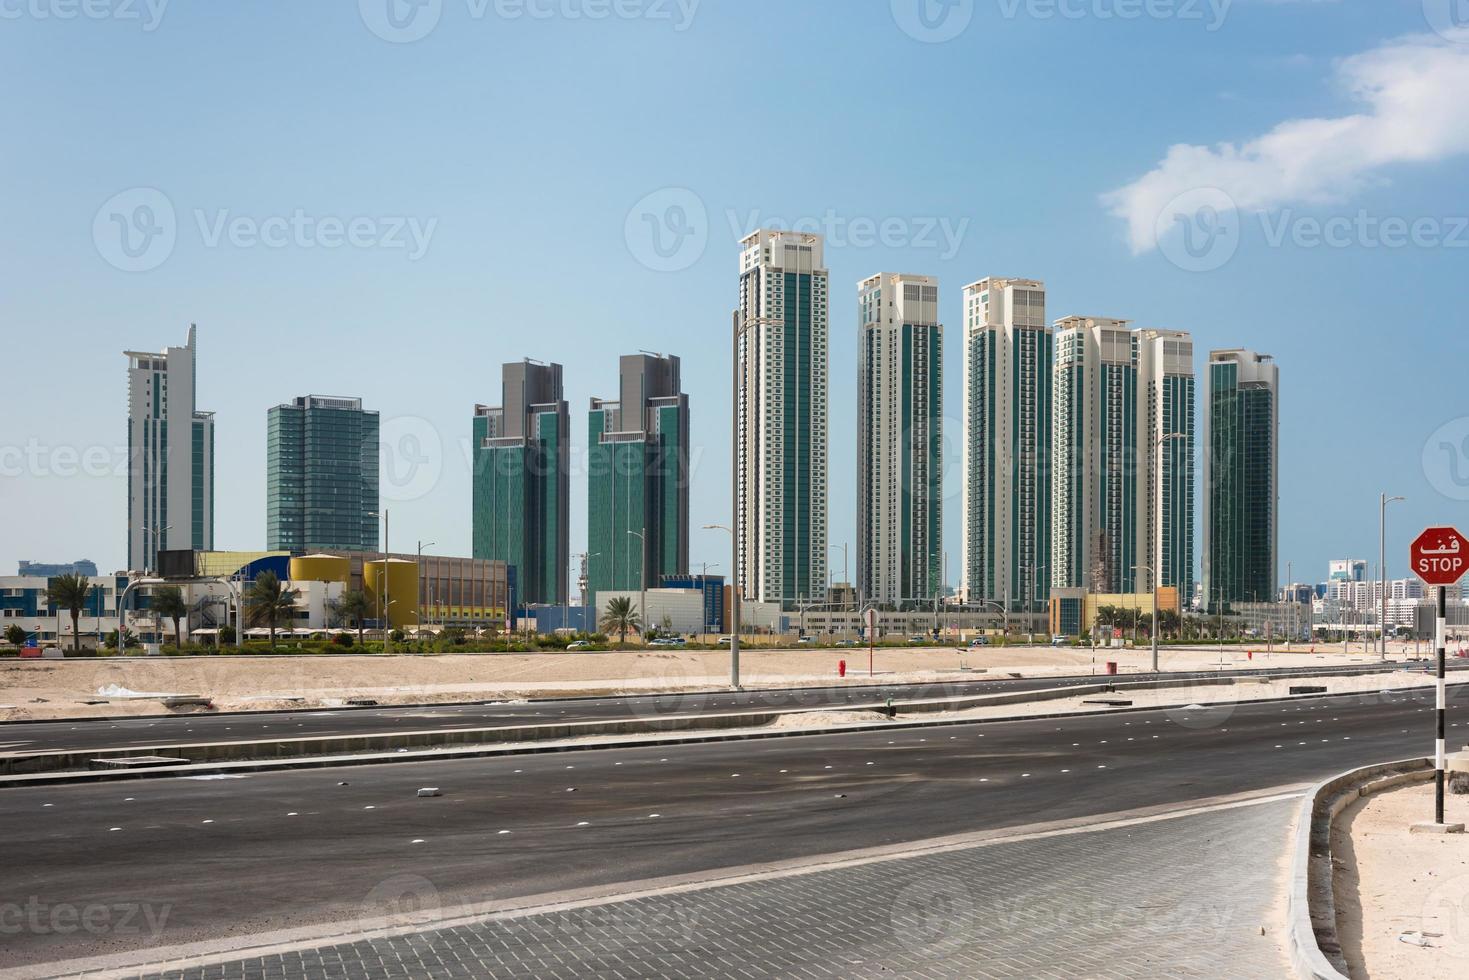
{"points": [[170, 457], [1006, 518], [1118, 392], [899, 439], [781, 335]]}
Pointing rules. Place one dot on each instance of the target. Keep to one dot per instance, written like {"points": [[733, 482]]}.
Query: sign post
{"points": [[869, 619], [1439, 556]]}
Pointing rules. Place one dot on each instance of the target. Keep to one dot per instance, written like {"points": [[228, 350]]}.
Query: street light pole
{"points": [[1382, 566], [642, 580], [734, 595], [1153, 575]]}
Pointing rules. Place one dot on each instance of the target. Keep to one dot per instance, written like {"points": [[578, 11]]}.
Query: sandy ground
{"points": [[1391, 884], [36, 689]]}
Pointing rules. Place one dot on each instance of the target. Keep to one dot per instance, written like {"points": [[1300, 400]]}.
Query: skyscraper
{"points": [[321, 484], [170, 457], [781, 339], [1117, 393], [521, 481], [1006, 514], [638, 478], [1241, 465], [899, 439]]}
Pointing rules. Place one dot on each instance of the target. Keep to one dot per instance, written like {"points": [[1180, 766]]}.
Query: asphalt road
{"points": [[162, 731], [204, 858]]}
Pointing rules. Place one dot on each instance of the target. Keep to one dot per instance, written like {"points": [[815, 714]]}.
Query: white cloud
{"points": [[1414, 109]]}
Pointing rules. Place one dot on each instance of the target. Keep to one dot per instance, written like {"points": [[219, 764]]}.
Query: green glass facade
{"points": [[1240, 555], [637, 480], [521, 483], [322, 476]]}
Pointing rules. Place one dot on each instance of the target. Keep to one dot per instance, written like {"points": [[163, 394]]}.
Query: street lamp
{"points": [[387, 622], [734, 592], [157, 534], [1382, 564], [642, 580], [1157, 511]]}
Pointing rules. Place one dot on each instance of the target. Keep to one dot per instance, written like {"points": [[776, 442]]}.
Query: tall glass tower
{"points": [[781, 337], [321, 475], [170, 457], [899, 440], [521, 481], [1006, 514], [1241, 466], [638, 478]]}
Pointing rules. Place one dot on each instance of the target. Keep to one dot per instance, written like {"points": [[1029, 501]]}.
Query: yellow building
{"points": [[1074, 611]]}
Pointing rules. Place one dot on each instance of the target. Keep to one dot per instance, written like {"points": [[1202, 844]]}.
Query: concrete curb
{"points": [[1326, 670], [668, 735], [1315, 952]]}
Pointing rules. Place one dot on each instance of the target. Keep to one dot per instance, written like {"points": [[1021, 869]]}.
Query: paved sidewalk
{"points": [[1184, 897]]}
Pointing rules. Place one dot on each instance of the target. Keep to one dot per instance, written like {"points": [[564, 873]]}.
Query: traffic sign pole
{"points": [[1438, 747]]}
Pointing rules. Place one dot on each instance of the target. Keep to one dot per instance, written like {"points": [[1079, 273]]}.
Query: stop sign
{"points": [[1440, 556]]}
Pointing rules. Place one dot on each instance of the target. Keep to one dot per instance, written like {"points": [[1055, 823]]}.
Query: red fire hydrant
{"points": [[841, 668]]}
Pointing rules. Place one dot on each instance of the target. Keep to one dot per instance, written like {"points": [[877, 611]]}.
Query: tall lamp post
{"points": [[1157, 509], [734, 615], [642, 580], [387, 621], [1382, 564]]}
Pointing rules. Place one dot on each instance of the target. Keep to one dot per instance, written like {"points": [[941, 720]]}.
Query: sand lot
{"points": [[1391, 884], [36, 689]]}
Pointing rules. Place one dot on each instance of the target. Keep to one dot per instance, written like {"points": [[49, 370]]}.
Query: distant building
{"points": [[33, 569], [1241, 474], [170, 456], [1347, 570], [638, 478], [321, 475], [522, 461], [24, 602], [900, 385], [781, 328]]}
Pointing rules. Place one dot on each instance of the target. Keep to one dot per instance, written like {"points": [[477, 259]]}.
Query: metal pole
{"points": [[1438, 745], [734, 502], [387, 603]]}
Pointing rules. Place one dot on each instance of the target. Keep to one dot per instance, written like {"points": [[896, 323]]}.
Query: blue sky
{"points": [[525, 149]]}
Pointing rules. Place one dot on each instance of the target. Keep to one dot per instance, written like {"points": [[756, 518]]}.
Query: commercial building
{"points": [[24, 602], [1006, 514], [638, 478], [781, 328], [170, 456], [1346, 570], [899, 440], [1123, 449], [321, 480], [522, 481], [1074, 611], [1241, 470]]}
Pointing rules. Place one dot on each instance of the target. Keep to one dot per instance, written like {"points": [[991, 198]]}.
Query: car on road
{"points": [[667, 641], [805, 641], [846, 643], [917, 639], [979, 641], [579, 645], [725, 641]]}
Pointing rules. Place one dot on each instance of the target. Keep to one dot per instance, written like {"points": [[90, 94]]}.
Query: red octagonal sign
{"points": [[1440, 556]]}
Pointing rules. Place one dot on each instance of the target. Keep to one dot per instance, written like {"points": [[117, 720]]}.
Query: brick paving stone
{"points": [[1175, 898]]}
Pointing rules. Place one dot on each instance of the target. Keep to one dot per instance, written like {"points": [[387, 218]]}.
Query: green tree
{"points": [[169, 603], [620, 617], [71, 592], [270, 603], [15, 635], [355, 606]]}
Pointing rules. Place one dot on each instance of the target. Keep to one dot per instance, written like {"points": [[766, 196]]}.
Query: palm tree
{"points": [[620, 617], [355, 606], [169, 603], [270, 603], [71, 592]]}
